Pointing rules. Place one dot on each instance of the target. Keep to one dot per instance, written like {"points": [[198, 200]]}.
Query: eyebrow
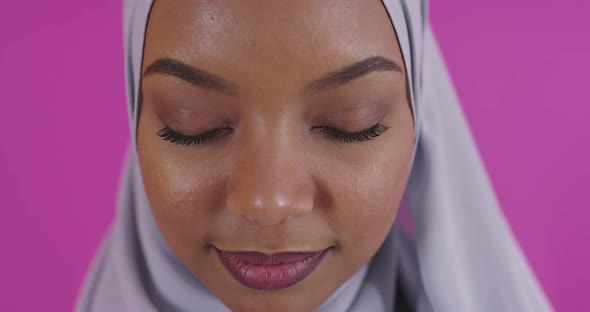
{"points": [[201, 78], [353, 71], [196, 76]]}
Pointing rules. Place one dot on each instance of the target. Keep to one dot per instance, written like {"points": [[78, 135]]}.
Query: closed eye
{"points": [[352, 137], [174, 137], [177, 138]]}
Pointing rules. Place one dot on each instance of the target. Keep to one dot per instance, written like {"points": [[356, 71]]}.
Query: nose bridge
{"points": [[270, 183]]}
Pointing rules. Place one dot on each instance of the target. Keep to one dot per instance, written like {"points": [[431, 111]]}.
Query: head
{"points": [[274, 127]]}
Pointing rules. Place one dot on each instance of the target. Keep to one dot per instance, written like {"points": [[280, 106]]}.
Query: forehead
{"points": [[241, 36]]}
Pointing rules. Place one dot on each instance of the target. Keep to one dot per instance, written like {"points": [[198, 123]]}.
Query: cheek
{"points": [[183, 193], [367, 197], [369, 200]]}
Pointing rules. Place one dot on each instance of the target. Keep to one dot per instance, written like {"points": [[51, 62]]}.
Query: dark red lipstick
{"points": [[270, 272]]}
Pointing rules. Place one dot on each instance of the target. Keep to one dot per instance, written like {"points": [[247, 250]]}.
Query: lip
{"points": [[270, 272]]}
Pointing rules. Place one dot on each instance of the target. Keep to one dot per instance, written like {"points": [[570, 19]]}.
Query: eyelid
{"points": [[356, 136], [338, 114], [175, 137]]}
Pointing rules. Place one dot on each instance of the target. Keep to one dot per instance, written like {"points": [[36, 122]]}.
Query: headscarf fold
{"points": [[461, 256]]}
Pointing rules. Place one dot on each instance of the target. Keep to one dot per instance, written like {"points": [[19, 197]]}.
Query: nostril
{"points": [[266, 212], [262, 217], [268, 221], [267, 196]]}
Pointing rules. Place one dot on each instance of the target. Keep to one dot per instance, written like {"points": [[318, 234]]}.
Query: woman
{"points": [[273, 143]]}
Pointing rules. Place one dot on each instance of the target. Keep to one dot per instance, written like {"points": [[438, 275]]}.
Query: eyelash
{"points": [[180, 139], [353, 137], [174, 137]]}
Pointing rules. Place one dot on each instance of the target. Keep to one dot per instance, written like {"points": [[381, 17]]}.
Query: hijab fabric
{"points": [[461, 256]]}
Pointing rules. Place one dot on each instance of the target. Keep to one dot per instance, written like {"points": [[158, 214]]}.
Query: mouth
{"points": [[270, 271]]}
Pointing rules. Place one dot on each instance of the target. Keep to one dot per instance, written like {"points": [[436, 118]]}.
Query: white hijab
{"points": [[462, 256]]}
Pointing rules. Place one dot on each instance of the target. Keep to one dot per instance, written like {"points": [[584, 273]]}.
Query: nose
{"points": [[269, 186]]}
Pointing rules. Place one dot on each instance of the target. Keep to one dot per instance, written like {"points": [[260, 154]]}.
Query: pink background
{"points": [[522, 71]]}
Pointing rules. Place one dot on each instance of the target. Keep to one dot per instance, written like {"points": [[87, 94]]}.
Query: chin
{"points": [[265, 301]]}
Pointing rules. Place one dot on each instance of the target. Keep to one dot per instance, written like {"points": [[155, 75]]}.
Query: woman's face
{"points": [[273, 127]]}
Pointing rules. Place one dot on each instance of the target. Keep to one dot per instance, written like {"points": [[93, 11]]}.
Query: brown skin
{"points": [[275, 183]]}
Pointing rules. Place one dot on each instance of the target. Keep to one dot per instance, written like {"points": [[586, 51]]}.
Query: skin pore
{"points": [[251, 137]]}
